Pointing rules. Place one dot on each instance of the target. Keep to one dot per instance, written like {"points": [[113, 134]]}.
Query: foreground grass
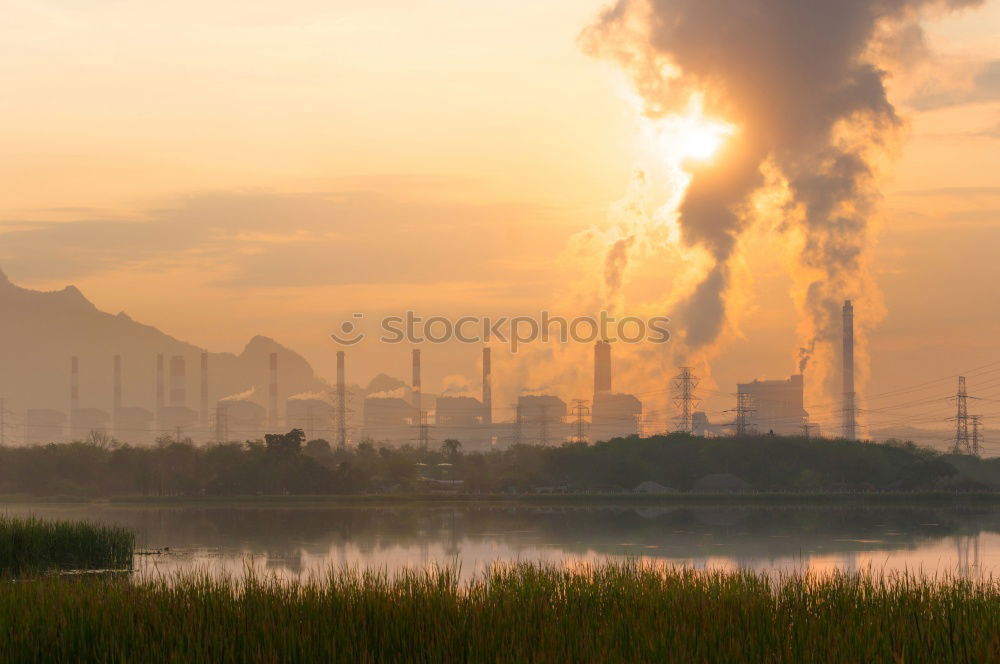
{"points": [[614, 612], [31, 546]]}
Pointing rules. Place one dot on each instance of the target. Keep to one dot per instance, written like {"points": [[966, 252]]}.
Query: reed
{"points": [[33, 546], [611, 612]]}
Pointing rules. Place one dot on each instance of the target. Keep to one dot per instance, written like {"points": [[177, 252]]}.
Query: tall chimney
{"points": [[117, 389], [341, 402], [204, 390], [159, 384], [487, 387], [850, 424], [178, 381], [74, 387], [272, 391], [416, 385], [602, 367]]}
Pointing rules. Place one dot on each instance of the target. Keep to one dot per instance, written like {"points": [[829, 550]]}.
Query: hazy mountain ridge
{"points": [[41, 330]]}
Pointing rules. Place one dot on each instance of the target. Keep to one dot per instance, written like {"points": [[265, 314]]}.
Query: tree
{"points": [[451, 448], [285, 443], [317, 448]]}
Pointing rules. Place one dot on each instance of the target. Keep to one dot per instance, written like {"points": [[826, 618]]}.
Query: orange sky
{"points": [[270, 167]]}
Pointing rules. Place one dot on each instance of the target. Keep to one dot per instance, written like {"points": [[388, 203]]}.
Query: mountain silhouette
{"points": [[41, 331]]}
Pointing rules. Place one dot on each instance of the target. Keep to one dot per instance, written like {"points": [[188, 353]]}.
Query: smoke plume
{"points": [[804, 82]]}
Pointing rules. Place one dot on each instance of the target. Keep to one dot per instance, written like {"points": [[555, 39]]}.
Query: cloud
{"points": [[937, 94], [267, 240]]}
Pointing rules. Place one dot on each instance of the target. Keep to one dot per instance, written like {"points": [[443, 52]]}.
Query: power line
{"points": [[684, 384]]}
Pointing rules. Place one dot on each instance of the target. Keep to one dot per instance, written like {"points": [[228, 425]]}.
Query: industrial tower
{"points": [[850, 424], [685, 400]]}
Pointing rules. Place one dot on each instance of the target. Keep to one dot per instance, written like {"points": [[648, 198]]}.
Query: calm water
{"points": [[300, 540]]}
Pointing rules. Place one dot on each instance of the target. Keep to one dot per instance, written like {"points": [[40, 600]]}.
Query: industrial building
{"points": [[314, 414], [776, 405], [244, 419], [541, 419], [611, 415]]}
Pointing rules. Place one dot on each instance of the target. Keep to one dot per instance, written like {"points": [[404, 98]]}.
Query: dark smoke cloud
{"points": [[800, 80]]}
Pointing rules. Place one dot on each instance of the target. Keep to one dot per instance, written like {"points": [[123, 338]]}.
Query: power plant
{"points": [[400, 413]]}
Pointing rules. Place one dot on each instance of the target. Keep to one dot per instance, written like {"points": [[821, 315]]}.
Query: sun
{"points": [[691, 135], [703, 139]]}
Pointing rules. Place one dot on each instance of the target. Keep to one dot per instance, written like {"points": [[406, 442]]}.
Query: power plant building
{"points": [[541, 419], [244, 419], [611, 415], [776, 405], [314, 415]]}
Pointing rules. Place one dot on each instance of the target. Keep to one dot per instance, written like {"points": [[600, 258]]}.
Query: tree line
{"points": [[288, 464]]}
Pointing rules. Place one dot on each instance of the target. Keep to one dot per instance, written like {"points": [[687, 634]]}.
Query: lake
{"points": [[294, 540]]}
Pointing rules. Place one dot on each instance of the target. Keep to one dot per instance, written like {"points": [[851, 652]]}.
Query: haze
{"points": [[271, 168]]}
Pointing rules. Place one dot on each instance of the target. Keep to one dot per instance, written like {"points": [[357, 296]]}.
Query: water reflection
{"points": [[297, 540]]}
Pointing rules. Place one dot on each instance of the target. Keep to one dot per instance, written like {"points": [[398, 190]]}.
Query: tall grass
{"points": [[614, 612], [32, 546]]}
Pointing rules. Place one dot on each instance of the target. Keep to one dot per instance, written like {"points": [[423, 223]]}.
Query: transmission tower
{"points": [[977, 440], [580, 410], [518, 437], [341, 413], [423, 432], [962, 444], [684, 384], [744, 414]]}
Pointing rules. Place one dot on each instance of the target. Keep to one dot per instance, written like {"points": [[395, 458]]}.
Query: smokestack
{"points": [[74, 385], [272, 391], [74, 393], [850, 425], [416, 384], [487, 387], [159, 384], [117, 389], [204, 389], [602, 367], [341, 402], [178, 381]]}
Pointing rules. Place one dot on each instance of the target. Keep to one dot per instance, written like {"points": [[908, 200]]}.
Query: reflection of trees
{"points": [[289, 532], [967, 548]]}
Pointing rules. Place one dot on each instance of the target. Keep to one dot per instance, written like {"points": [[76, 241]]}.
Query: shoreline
{"points": [[893, 499]]}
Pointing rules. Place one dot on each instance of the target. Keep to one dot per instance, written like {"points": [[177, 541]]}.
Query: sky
{"points": [[226, 169]]}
